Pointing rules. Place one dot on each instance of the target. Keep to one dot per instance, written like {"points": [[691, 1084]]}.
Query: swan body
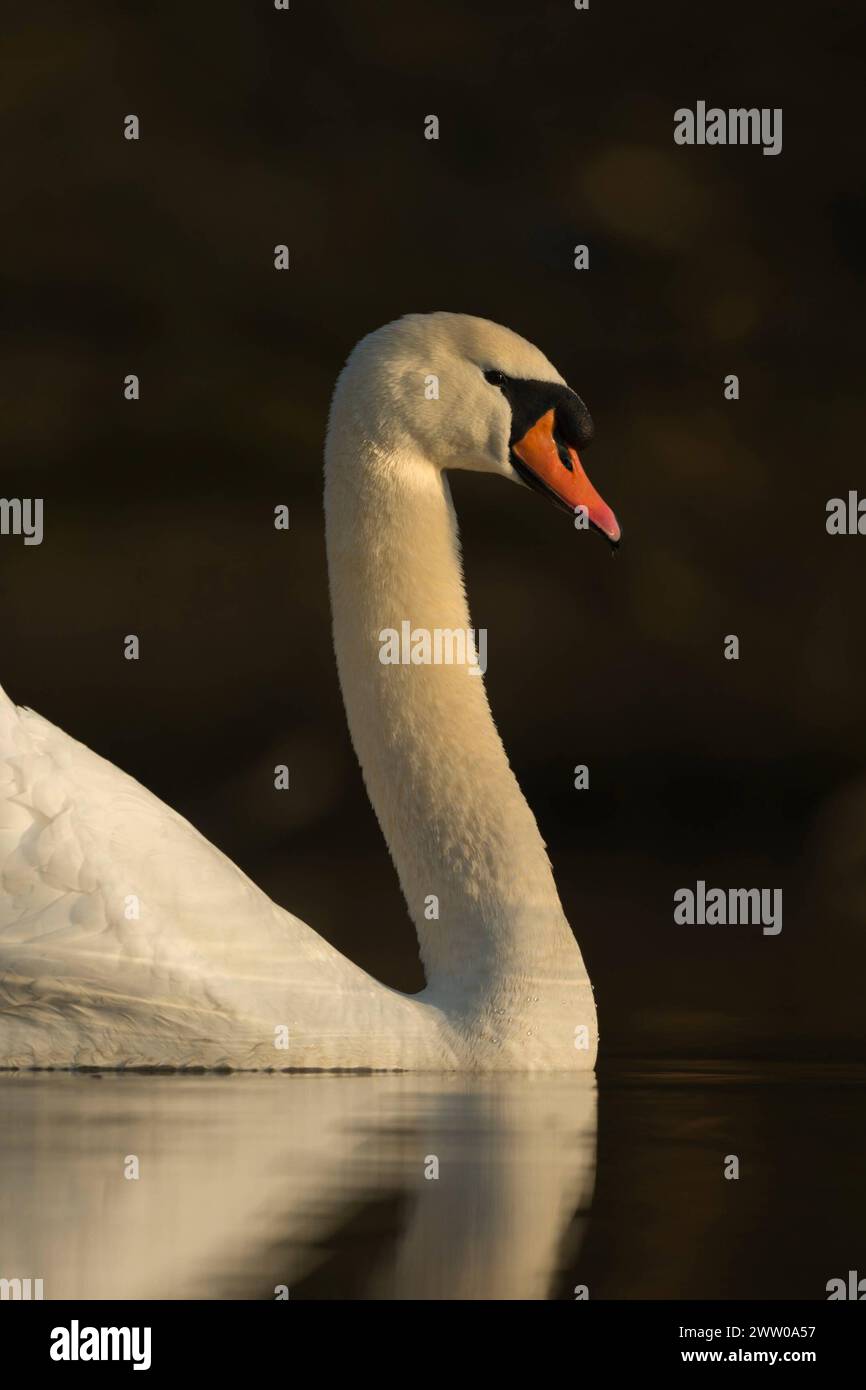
{"points": [[127, 940]]}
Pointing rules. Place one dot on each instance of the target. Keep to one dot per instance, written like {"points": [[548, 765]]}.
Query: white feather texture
{"points": [[210, 971]]}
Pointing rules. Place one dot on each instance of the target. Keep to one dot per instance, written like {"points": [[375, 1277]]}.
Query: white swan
{"points": [[211, 973]]}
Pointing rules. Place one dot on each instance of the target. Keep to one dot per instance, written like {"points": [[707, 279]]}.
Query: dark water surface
{"points": [[329, 1185]]}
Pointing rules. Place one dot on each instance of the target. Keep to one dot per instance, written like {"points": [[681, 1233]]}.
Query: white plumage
{"points": [[126, 939]]}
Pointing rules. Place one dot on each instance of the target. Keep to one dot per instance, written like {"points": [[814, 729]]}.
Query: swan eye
{"points": [[495, 378]]}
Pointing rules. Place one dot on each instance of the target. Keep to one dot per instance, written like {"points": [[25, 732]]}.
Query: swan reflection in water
{"points": [[379, 1186]]}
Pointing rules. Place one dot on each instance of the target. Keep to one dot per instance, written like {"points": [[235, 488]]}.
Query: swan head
{"points": [[462, 392]]}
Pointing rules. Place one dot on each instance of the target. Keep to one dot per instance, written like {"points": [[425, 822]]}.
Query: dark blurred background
{"points": [[306, 127]]}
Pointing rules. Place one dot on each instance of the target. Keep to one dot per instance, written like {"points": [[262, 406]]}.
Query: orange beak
{"points": [[555, 466]]}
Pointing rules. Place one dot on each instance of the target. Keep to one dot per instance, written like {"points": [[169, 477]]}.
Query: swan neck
{"points": [[471, 862]]}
